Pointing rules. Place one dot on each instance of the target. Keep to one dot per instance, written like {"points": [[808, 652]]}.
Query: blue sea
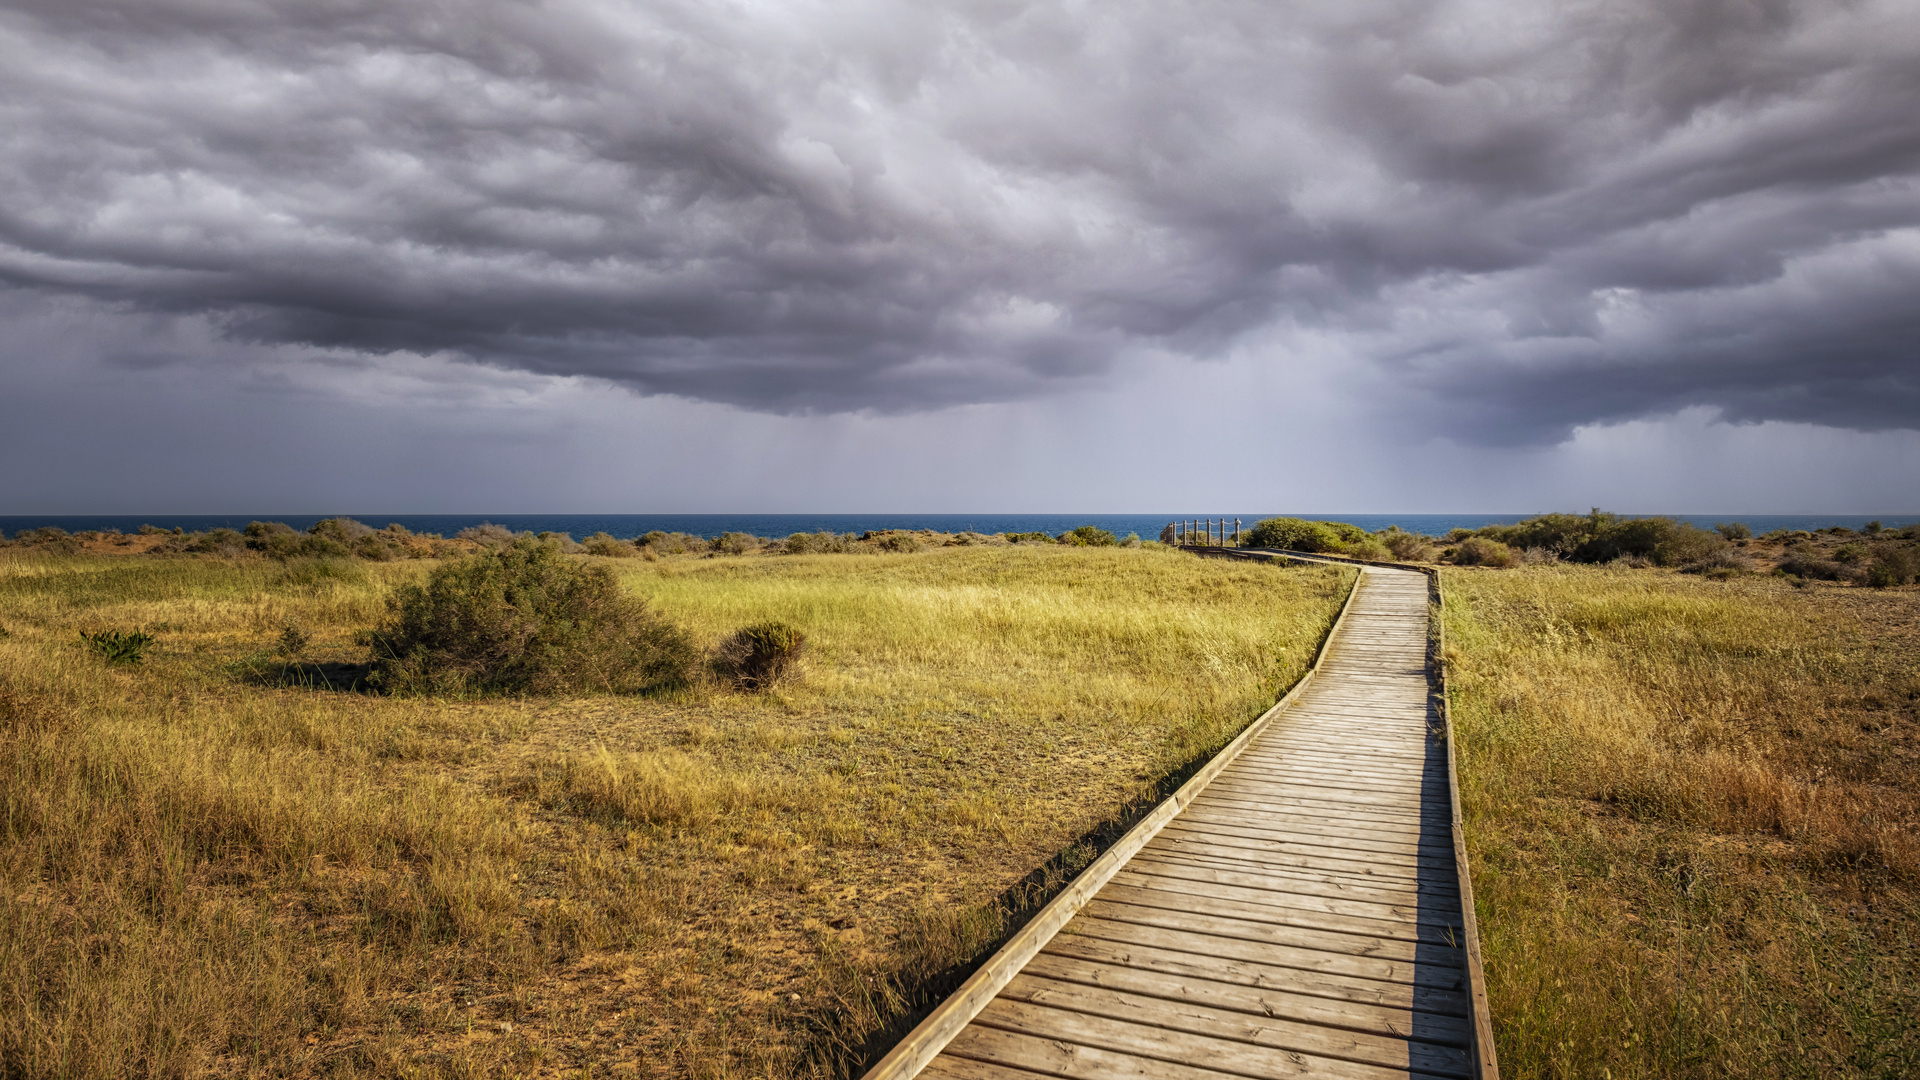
{"points": [[1147, 526]]}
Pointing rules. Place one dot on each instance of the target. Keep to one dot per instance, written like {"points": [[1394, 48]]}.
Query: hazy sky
{"points": [[589, 255]]}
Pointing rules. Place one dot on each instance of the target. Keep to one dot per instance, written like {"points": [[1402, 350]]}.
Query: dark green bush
{"points": [[1893, 565], [604, 544], [677, 543], [1405, 546], [761, 656], [1480, 551], [524, 619], [1029, 538], [736, 543], [1089, 536], [1733, 530], [903, 542], [820, 543], [1294, 534], [294, 640], [119, 646], [1804, 561], [487, 534], [340, 530]]}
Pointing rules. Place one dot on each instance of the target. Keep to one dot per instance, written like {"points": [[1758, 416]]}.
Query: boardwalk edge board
{"points": [[950, 1017], [1485, 1062]]}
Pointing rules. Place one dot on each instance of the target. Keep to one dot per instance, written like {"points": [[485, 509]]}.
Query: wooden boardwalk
{"points": [[1296, 911]]}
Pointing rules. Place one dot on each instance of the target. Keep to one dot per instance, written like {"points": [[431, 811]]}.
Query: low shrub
{"points": [[761, 656], [735, 543], [820, 543], [1480, 551], [1893, 565], [605, 545], [673, 543], [486, 534], [321, 573], [1294, 534], [1029, 538], [1733, 530], [1803, 561], [118, 646], [524, 619], [1405, 546], [1089, 536], [1723, 563], [294, 640], [340, 530], [904, 543]]}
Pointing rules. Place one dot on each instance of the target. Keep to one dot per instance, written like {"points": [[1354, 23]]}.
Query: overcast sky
{"points": [[588, 255]]}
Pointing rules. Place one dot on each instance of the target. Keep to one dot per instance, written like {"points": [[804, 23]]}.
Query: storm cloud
{"points": [[1523, 217]]}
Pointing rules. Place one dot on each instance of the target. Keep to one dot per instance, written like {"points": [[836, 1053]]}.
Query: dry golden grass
{"points": [[1692, 813], [203, 871]]}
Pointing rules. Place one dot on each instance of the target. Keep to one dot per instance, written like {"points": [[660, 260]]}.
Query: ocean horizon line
{"points": [[1147, 526]]}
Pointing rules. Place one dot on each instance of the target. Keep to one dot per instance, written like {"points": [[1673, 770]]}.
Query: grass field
{"points": [[1694, 820], [207, 867]]}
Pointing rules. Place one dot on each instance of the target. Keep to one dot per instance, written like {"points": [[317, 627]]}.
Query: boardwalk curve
{"points": [[1297, 909]]}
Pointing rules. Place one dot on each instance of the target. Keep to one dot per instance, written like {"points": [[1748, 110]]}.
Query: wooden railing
{"points": [[1189, 532]]}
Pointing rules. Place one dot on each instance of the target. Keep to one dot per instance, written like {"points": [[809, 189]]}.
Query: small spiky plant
{"points": [[119, 646], [761, 656]]}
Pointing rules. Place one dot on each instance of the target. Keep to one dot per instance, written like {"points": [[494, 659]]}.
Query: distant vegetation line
{"points": [[1873, 554]]}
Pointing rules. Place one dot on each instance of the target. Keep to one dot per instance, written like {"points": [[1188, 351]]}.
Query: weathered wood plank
{"points": [[1064, 1028], [1275, 909], [1346, 990], [1155, 973], [1212, 1013]]}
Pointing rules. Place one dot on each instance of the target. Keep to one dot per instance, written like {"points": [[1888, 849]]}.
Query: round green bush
{"points": [[761, 656], [1293, 534], [525, 619]]}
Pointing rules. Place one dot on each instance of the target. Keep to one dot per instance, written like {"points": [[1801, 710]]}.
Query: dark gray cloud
{"points": [[1532, 216]]}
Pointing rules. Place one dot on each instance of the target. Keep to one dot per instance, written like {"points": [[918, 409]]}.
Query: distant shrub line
{"points": [[1873, 556], [345, 538]]}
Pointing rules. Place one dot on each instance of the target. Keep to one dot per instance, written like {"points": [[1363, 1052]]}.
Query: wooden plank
{"points": [[1255, 852], [948, 1067], [1349, 805], [1055, 1058], [1347, 990], [1213, 1014], [1410, 865], [1406, 831], [1180, 861], [1247, 929], [1276, 954], [1282, 768], [1169, 975], [1385, 760], [1274, 908], [1252, 778], [1256, 856], [1336, 791], [1204, 819], [1280, 828], [1059, 1026], [1440, 888]]}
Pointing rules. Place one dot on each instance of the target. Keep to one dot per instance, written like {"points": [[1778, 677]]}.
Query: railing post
{"points": [[1236, 532]]}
